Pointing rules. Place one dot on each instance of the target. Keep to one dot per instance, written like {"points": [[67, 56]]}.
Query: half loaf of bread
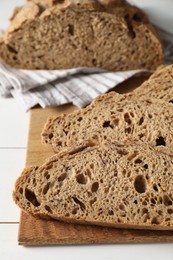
{"points": [[124, 186], [113, 35]]}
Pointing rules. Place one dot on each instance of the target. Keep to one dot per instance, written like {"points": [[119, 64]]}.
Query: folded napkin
{"points": [[56, 87]]}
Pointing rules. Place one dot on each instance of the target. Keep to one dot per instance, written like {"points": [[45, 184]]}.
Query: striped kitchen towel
{"points": [[56, 87]]}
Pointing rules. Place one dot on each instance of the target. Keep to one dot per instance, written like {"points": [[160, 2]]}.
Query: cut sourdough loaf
{"points": [[159, 85], [124, 186], [112, 35], [115, 117]]}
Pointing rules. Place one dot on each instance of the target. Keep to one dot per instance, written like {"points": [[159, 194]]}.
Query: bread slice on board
{"points": [[113, 117], [112, 35], [124, 186], [159, 85]]}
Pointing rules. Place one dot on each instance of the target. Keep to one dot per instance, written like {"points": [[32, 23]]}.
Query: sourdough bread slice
{"points": [[124, 186], [159, 85], [115, 117], [112, 35]]}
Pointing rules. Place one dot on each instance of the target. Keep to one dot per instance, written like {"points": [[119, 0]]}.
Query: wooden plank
{"points": [[33, 231]]}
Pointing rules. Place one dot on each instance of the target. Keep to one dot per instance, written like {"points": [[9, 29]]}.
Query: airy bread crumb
{"points": [[119, 185]]}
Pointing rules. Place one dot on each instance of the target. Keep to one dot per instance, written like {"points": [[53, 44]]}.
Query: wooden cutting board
{"points": [[33, 231]]}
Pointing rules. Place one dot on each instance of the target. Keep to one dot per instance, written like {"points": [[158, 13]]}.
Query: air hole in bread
{"points": [[49, 166], [80, 203], [110, 212], [93, 201], [21, 190], [107, 124], [95, 187], [122, 152], [141, 120], [79, 119], [160, 141], [140, 184], [71, 29], [94, 62], [138, 161], [119, 220], [167, 201], [131, 32], [92, 166], [145, 166], [34, 181], [144, 203], [62, 177], [144, 211], [100, 210], [58, 1], [155, 221], [89, 193], [81, 179], [116, 121], [31, 197], [160, 200], [160, 212], [47, 175], [171, 101], [141, 135], [146, 218], [46, 188], [155, 187], [17, 198], [127, 118], [50, 136], [136, 17], [47, 208], [153, 201], [120, 110], [170, 211], [128, 130], [121, 207], [74, 211], [11, 49], [147, 177]]}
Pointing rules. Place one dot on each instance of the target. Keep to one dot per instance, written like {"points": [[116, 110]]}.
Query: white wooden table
{"points": [[13, 141]]}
